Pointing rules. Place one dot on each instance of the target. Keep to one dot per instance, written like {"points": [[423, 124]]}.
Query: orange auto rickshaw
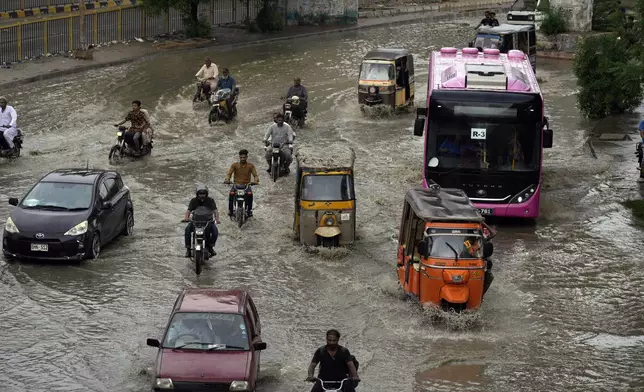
{"points": [[444, 249]]}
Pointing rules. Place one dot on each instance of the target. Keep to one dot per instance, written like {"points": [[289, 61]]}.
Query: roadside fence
{"points": [[58, 34]]}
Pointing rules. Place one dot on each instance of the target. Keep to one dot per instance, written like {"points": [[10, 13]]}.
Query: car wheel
{"points": [[95, 247], [129, 224]]}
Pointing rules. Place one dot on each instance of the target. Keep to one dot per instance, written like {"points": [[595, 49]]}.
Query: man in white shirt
{"points": [[207, 76], [8, 119]]}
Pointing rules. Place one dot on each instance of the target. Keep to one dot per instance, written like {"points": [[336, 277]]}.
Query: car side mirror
{"points": [[153, 342], [423, 248], [488, 249], [259, 346], [13, 201], [107, 205], [547, 134]]}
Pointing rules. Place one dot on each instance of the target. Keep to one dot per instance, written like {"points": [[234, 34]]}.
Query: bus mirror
{"points": [[433, 162], [547, 138], [419, 127]]}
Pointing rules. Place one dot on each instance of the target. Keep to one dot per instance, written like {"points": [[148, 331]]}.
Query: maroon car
{"points": [[212, 343]]}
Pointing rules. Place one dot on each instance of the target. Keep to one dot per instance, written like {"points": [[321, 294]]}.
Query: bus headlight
{"points": [[163, 383], [524, 195]]}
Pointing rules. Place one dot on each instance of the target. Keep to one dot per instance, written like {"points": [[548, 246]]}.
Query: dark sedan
{"points": [[68, 215]]}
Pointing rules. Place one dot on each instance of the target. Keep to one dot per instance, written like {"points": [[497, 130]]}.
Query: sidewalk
{"points": [[225, 39]]}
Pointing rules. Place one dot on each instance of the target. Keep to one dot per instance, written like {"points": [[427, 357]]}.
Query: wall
{"points": [[322, 12], [581, 13]]}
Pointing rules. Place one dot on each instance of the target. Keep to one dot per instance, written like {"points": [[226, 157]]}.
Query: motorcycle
{"points": [[121, 149], [201, 218], [17, 145], [206, 97], [277, 166], [219, 110], [239, 204], [294, 115]]}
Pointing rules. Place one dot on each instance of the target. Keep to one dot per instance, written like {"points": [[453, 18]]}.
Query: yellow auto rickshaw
{"points": [[387, 78], [325, 202]]}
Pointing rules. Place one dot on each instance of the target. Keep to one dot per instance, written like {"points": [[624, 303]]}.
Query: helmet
{"points": [[295, 99], [201, 188]]}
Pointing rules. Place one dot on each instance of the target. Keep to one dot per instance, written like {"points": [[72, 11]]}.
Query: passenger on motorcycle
{"points": [[336, 364], [281, 133], [298, 89], [241, 171], [8, 127], [139, 124], [227, 81], [206, 74], [212, 232]]}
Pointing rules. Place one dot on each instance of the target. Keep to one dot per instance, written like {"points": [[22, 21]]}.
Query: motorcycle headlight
{"points": [[239, 386], [163, 383], [79, 229], [199, 231], [119, 133], [10, 227]]}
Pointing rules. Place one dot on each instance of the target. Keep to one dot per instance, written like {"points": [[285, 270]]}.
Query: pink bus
{"points": [[485, 129]]}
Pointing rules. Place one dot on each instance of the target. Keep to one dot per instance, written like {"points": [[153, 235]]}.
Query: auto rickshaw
{"points": [[387, 78], [444, 249], [325, 203]]}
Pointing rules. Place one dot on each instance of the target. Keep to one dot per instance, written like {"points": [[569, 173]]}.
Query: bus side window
{"points": [[523, 42]]}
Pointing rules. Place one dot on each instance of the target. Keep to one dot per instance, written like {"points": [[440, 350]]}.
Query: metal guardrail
{"points": [[56, 34]]}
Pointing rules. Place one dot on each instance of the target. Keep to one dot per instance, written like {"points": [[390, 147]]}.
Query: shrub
{"points": [[200, 28], [606, 15], [609, 74], [269, 17], [555, 21]]}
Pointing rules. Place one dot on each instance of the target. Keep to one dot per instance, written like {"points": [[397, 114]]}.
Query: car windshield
{"points": [[376, 71], [488, 41], [334, 187], [466, 247], [61, 195], [207, 331]]}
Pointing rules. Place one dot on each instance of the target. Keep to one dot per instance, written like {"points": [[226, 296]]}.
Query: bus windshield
{"points": [[485, 137]]}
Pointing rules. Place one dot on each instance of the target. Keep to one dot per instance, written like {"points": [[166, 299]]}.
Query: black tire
{"points": [[128, 229], [95, 246], [275, 170], [213, 116], [16, 153], [115, 154], [328, 242], [300, 123], [199, 261], [240, 216]]}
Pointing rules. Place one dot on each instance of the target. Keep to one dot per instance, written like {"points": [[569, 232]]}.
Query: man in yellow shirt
{"points": [[241, 171]]}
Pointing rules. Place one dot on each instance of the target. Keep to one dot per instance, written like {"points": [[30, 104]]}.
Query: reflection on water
{"points": [[563, 287]]}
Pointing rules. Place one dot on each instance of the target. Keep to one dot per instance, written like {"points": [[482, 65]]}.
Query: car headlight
{"points": [[10, 227], [79, 229], [163, 383], [239, 386]]}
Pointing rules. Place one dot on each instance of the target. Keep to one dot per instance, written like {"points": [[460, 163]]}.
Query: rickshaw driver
{"points": [[472, 247]]}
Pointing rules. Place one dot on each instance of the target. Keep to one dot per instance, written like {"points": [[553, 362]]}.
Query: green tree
{"points": [[189, 9]]}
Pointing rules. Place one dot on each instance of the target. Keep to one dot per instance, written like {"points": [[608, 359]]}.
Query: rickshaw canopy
{"points": [[505, 28], [387, 54], [338, 157], [442, 204]]}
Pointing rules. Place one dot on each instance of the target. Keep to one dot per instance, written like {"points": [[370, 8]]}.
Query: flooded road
{"points": [[564, 312]]}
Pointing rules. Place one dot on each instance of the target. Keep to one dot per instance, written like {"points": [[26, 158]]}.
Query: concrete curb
{"points": [[209, 44], [556, 55]]}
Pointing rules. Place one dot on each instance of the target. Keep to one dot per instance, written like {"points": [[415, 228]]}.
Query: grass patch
{"points": [[637, 207]]}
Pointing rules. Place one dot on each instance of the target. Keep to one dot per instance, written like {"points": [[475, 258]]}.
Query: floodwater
{"points": [[564, 312]]}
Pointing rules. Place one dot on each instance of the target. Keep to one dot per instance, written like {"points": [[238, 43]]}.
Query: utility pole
{"points": [[81, 9]]}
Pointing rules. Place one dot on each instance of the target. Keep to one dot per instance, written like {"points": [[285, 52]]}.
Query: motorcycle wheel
{"points": [[300, 123], [198, 261], [213, 116], [275, 172], [115, 155], [240, 216]]}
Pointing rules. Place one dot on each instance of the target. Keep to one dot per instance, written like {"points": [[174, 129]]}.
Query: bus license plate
{"points": [[486, 211], [39, 247]]}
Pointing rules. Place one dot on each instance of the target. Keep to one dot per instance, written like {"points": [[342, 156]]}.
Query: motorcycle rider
{"points": [[281, 133], [202, 200], [227, 81], [8, 127], [640, 152], [139, 124], [336, 363], [206, 74], [298, 89], [241, 171]]}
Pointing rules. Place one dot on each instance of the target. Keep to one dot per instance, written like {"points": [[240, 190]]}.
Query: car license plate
{"points": [[486, 211], [39, 247]]}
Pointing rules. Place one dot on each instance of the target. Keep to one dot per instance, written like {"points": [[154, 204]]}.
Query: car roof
{"points": [[77, 176], [386, 54], [212, 300]]}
